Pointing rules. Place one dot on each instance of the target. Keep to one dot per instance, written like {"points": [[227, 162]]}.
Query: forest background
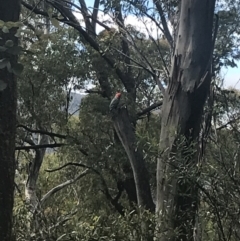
{"points": [[163, 166]]}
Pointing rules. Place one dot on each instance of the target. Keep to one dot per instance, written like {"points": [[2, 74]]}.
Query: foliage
{"points": [[59, 60]]}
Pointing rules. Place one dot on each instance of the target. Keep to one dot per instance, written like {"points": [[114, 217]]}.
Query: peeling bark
{"points": [[9, 11], [189, 85]]}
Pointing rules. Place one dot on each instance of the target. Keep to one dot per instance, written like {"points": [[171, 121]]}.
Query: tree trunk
{"points": [[9, 11], [31, 187], [182, 109], [33, 172], [126, 134]]}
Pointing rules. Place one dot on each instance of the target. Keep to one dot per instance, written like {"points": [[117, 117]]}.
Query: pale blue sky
{"points": [[232, 76]]}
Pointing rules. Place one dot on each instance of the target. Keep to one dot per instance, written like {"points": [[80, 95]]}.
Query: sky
{"points": [[231, 76]]}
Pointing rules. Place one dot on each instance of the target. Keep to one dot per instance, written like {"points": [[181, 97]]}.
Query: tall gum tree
{"points": [[182, 109], [9, 12]]}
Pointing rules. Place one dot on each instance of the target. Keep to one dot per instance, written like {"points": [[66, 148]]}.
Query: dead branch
{"points": [[150, 108], [62, 185]]}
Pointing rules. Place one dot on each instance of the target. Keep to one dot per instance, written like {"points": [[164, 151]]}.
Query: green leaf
{"points": [[55, 22], [15, 50], [17, 69], [38, 32], [18, 33], [9, 43], [10, 24], [1, 23], [9, 67], [3, 85], [2, 48], [50, 12], [5, 29], [3, 63], [60, 17], [19, 24]]}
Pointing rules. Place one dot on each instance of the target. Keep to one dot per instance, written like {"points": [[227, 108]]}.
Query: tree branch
{"points": [[39, 146], [51, 134], [161, 55], [72, 164], [148, 15], [36, 10], [105, 190], [150, 108], [94, 14], [61, 186], [228, 123], [32, 146], [89, 26], [164, 23], [125, 47]]}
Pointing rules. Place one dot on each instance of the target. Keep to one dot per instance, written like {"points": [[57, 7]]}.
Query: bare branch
{"points": [[63, 185], [35, 147], [138, 51], [148, 15], [71, 164], [230, 122], [136, 62], [105, 190], [42, 132], [150, 108], [164, 23], [39, 146], [161, 55]]}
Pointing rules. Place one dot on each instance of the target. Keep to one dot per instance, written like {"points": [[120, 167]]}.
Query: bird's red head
{"points": [[118, 95]]}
